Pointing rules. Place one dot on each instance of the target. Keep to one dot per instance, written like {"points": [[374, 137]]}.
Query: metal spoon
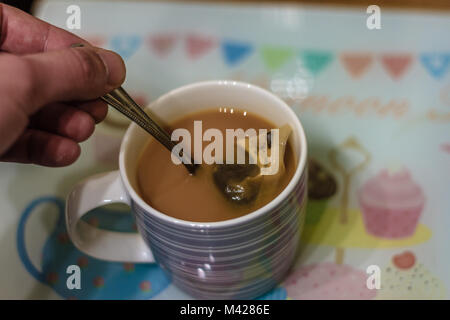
{"points": [[122, 102]]}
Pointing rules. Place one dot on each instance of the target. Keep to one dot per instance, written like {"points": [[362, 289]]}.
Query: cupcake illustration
{"points": [[405, 278], [391, 203], [328, 281]]}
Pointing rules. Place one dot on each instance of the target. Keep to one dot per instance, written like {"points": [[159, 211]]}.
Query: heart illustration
{"points": [[404, 260]]}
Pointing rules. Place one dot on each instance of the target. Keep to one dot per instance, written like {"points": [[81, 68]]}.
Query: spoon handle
{"points": [[122, 102]]}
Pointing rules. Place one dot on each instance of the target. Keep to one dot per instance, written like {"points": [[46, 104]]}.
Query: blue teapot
{"points": [[99, 279]]}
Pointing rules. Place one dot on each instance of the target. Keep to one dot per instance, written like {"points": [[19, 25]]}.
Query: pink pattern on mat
{"points": [[391, 204], [328, 281], [197, 46]]}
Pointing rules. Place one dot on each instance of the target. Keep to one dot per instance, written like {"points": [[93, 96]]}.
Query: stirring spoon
{"points": [[122, 102]]}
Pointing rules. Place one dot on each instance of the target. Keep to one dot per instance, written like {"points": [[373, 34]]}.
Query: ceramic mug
{"points": [[239, 258]]}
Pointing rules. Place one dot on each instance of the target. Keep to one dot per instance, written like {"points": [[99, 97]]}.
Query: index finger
{"points": [[22, 33]]}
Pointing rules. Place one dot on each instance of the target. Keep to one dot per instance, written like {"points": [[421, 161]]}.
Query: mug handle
{"points": [[96, 191]]}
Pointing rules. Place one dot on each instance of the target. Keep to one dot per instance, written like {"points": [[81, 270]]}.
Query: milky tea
{"points": [[169, 188]]}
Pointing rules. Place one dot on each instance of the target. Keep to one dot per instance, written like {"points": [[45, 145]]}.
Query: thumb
{"points": [[80, 73]]}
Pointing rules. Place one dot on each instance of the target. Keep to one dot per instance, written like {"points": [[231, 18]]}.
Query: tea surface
{"points": [[169, 188]]}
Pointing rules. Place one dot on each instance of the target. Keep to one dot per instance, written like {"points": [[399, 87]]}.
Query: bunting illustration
{"points": [[356, 64], [235, 52], [162, 44], [198, 45], [396, 64], [316, 61], [437, 64], [275, 57], [125, 45]]}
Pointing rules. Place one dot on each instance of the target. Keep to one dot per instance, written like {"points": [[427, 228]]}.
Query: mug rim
{"points": [[301, 162]]}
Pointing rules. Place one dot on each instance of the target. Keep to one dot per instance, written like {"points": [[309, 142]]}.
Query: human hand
{"points": [[49, 90]]}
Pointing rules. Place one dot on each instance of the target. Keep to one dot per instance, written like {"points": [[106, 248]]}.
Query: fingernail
{"points": [[77, 45], [114, 65]]}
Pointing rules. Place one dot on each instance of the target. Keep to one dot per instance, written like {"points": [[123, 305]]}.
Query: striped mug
{"points": [[240, 258]]}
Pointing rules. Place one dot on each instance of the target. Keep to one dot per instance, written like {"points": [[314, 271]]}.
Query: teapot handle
{"points": [[20, 240]]}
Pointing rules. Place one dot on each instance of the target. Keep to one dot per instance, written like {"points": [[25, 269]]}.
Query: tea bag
{"points": [[239, 183], [259, 176]]}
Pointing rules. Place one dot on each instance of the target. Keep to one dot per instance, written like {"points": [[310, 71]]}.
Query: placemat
{"points": [[375, 105]]}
